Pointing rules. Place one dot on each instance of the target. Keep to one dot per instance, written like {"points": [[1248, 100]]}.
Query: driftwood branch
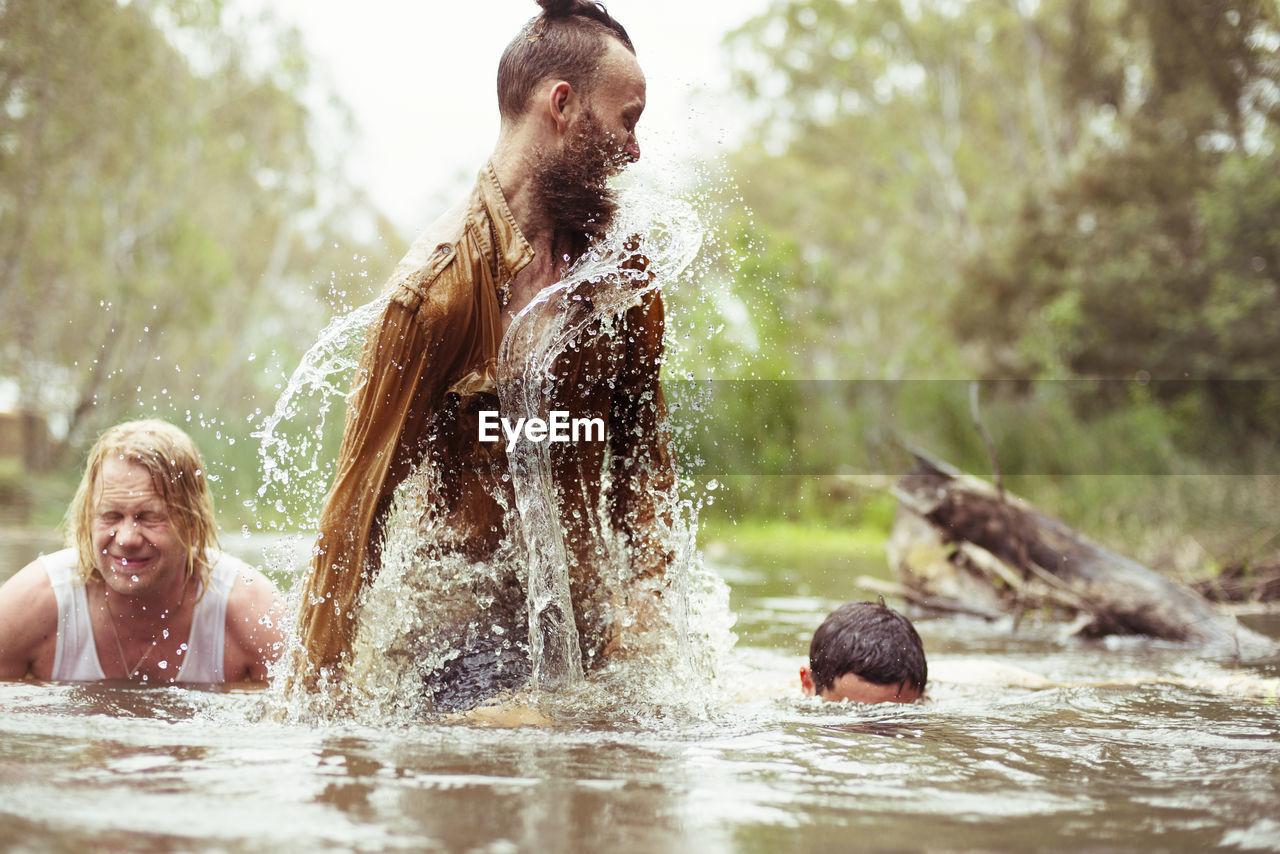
{"points": [[958, 538], [933, 603]]}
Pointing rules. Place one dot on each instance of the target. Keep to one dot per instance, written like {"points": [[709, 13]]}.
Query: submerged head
{"points": [[865, 653], [143, 510], [570, 87]]}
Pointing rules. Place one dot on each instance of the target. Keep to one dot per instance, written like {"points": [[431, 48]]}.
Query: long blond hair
{"points": [[178, 476]]}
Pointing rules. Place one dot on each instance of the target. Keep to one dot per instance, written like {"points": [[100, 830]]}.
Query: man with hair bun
{"points": [[570, 95], [141, 593]]}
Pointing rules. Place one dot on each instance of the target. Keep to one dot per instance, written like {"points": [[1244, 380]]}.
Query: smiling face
{"points": [[137, 547]]}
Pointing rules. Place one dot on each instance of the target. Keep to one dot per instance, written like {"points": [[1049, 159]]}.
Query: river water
{"points": [[1127, 746], [742, 764]]}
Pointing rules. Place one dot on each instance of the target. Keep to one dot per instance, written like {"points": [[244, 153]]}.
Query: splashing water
{"points": [[598, 287], [296, 449], [428, 611]]}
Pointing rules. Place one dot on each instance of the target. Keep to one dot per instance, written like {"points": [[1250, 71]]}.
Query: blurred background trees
{"points": [[164, 245], [1075, 202]]}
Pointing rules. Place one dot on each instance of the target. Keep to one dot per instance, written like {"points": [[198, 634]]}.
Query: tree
{"points": [[1025, 191], [893, 142], [1153, 254], [1052, 189], [159, 221]]}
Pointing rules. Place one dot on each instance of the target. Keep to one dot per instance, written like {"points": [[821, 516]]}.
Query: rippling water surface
{"points": [[744, 765]]}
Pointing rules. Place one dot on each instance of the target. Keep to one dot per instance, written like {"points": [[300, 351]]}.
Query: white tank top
{"points": [[76, 658]]}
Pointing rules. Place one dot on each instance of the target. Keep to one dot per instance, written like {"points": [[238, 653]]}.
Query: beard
{"points": [[573, 183]]}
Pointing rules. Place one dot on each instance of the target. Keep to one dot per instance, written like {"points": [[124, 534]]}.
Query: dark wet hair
{"points": [[565, 42], [870, 640]]}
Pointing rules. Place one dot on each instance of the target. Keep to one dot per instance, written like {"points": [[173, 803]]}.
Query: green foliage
{"points": [[14, 498], [163, 249], [1052, 195], [33, 500], [1152, 254], [779, 540]]}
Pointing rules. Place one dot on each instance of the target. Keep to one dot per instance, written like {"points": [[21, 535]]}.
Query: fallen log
{"points": [[961, 539]]}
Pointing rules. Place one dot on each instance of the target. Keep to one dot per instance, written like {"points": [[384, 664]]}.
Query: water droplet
{"points": [[163, 665]]}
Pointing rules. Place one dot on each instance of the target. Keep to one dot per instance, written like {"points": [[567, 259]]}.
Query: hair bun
{"points": [[559, 8]]}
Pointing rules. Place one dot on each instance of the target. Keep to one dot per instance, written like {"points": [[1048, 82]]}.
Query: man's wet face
{"points": [[139, 550], [573, 183], [851, 687], [854, 689]]}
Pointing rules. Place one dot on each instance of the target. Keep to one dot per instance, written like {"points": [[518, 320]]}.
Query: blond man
{"points": [[141, 593]]}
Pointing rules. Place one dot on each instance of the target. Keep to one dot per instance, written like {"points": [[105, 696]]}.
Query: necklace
{"points": [[155, 639]]}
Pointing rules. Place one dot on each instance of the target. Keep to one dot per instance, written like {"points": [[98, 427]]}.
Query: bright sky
{"points": [[419, 77]]}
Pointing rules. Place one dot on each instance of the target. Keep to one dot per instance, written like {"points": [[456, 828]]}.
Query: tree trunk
{"points": [[957, 537]]}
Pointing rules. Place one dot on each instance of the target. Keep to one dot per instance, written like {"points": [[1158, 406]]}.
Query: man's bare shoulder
{"points": [[28, 619], [30, 585], [255, 622], [252, 592]]}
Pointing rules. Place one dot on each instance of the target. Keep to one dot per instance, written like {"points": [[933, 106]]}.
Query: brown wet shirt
{"points": [[428, 369]]}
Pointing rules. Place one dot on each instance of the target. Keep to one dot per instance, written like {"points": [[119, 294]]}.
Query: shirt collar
{"points": [[513, 250]]}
